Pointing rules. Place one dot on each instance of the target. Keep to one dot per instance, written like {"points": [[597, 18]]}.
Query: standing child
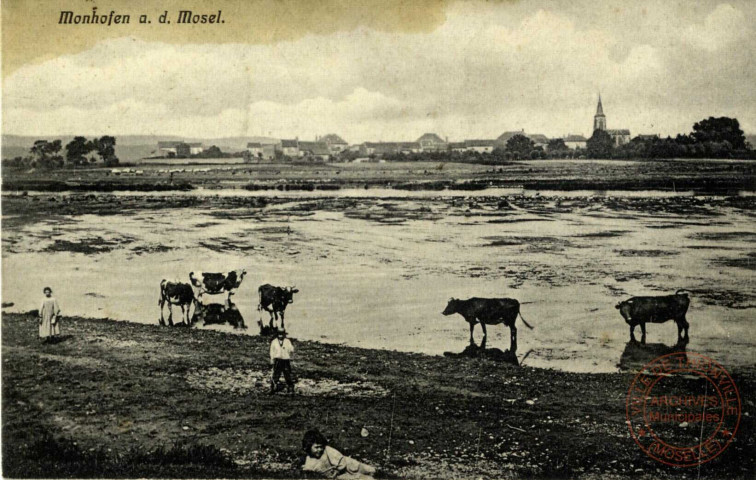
{"points": [[280, 357], [49, 316], [328, 462]]}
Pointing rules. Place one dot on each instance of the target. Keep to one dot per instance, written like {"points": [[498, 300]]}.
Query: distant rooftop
{"points": [[333, 139], [538, 137], [174, 143], [479, 143], [575, 138], [507, 135], [430, 137], [316, 148]]}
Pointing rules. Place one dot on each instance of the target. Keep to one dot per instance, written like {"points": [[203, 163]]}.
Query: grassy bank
{"points": [[706, 176], [117, 399]]}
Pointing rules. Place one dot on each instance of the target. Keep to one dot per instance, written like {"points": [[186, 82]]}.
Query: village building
{"points": [[619, 136], [538, 139], [179, 148], [480, 146], [335, 143], [457, 146], [501, 140], [575, 142], [430, 142], [314, 150], [648, 136], [263, 151], [389, 148], [290, 148], [183, 150]]}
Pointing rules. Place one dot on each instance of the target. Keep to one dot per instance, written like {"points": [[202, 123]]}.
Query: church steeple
{"points": [[599, 120]]}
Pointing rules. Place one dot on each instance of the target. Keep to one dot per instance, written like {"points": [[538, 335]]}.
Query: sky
{"points": [[463, 70]]}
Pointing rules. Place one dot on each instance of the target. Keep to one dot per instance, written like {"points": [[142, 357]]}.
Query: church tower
{"points": [[599, 120]]}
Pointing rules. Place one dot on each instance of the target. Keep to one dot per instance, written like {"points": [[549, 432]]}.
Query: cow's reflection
{"points": [[218, 314], [495, 354], [636, 355]]}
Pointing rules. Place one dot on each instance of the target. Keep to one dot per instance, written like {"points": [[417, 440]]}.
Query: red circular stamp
{"points": [[683, 409]]}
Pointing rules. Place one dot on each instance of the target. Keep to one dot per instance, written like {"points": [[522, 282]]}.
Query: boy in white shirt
{"points": [[281, 350]]}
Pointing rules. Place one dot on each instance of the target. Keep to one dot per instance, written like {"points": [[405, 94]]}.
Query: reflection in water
{"points": [[218, 314], [636, 355], [267, 330], [474, 351]]}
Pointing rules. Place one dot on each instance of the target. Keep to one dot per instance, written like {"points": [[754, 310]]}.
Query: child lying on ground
{"points": [[330, 463]]}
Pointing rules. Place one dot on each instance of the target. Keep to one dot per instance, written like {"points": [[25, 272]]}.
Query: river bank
{"points": [[119, 399], [705, 176]]}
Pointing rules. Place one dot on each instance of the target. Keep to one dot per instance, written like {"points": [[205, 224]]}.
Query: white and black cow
{"points": [[176, 293], [215, 283], [642, 310], [274, 300]]}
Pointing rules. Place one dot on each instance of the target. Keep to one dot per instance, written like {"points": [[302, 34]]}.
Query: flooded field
{"points": [[377, 272]]}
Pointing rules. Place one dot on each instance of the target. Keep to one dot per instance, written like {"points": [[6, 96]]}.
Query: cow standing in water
{"points": [[274, 300], [488, 311], [180, 294], [215, 283], [642, 310]]}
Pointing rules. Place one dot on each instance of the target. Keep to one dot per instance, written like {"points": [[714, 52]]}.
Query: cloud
{"points": [[722, 27], [489, 67]]}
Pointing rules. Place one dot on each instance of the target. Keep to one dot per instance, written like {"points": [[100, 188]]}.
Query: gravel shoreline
{"points": [[119, 399]]}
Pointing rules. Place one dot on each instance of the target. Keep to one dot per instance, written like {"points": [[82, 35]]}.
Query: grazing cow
{"points": [[215, 283], [274, 301], [180, 294], [488, 311], [642, 310]]}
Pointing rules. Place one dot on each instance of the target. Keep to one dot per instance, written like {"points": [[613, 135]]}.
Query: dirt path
{"points": [[117, 399]]}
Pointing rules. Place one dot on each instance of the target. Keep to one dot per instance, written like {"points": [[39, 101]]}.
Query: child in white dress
{"points": [[49, 317]]}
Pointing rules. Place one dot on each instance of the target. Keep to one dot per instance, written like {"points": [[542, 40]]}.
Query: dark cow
{"points": [[642, 310], [274, 301], [488, 311], [215, 283], [180, 294]]}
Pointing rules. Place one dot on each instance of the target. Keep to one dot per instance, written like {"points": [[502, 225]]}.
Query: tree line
{"points": [[711, 138], [78, 152]]}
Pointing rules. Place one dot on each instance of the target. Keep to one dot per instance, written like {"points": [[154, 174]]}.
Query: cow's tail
{"points": [[523, 321]]}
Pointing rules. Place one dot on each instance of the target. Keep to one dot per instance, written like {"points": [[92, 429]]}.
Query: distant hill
{"points": [[130, 147]]}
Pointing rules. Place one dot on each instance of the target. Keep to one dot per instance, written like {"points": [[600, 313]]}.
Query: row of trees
{"points": [[79, 151], [711, 138]]}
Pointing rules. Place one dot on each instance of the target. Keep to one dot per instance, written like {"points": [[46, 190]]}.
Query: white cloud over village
{"points": [[487, 69]]}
